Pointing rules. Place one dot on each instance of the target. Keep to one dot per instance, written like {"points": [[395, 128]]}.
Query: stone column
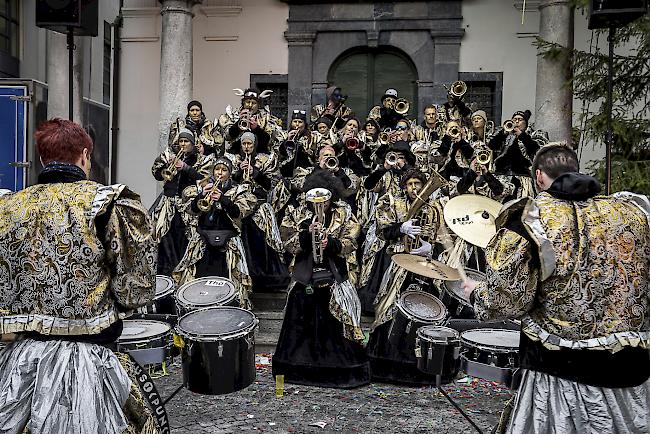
{"points": [[446, 60], [58, 77], [554, 94], [300, 70], [175, 63]]}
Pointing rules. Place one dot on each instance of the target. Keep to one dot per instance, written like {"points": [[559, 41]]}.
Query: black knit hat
{"points": [[224, 161], [194, 103], [299, 114], [524, 114]]}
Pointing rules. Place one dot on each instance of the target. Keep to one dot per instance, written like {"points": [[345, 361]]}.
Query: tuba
{"points": [[458, 89], [169, 172], [318, 197], [402, 106], [419, 205]]}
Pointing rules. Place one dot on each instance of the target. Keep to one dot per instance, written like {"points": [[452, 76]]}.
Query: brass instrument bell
{"points": [[384, 136], [244, 122], [318, 197], [169, 172], [331, 163], [453, 130], [458, 88], [205, 203], [352, 143], [484, 156], [508, 126], [391, 158], [402, 106]]}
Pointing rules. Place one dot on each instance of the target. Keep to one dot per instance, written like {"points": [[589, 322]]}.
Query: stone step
{"points": [[268, 301]]}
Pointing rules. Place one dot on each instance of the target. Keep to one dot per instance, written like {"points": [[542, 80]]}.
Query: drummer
{"points": [[574, 267], [422, 232]]}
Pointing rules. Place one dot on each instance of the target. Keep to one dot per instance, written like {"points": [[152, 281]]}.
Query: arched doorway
{"points": [[364, 74]]}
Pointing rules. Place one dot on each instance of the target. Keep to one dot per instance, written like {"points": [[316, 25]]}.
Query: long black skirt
{"points": [[312, 350], [265, 266], [213, 263], [172, 246], [368, 292], [394, 361]]}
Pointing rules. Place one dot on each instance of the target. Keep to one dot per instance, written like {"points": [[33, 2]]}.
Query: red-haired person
{"points": [[74, 254]]}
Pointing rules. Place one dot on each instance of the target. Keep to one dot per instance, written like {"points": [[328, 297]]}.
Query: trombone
{"points": [[169, 172]]}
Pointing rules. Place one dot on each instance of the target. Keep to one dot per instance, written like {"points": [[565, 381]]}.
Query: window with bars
{"points": [[9, 27], [278, 101], [106, 78], [484, 93]]}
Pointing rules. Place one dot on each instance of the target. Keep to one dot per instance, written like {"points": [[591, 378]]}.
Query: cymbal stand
{"points": [[452, 402]]}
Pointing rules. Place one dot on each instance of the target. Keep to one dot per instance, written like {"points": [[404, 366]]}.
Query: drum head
{"points": [[219, 321], [164, 286], [422, 306], [142, 329], [206, 291], [434, 333], [497, 340], [455, 287]]}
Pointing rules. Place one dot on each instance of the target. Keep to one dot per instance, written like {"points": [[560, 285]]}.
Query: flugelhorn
{"points": [[402, 106], [169, 172], [458, 89], [508, 126], [331, 163], [205, 203], [318, 197]]}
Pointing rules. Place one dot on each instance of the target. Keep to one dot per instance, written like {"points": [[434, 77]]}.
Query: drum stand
{"points": [[452, 402]]}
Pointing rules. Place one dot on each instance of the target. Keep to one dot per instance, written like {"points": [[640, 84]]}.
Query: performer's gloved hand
{"points": [[410, 228], [423, 250]]}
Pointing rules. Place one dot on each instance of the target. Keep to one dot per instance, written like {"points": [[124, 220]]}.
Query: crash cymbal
{"points": [[472, 217], [425, 267]]}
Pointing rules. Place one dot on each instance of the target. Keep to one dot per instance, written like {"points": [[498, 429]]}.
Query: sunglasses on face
{"points": [[401, 128]]}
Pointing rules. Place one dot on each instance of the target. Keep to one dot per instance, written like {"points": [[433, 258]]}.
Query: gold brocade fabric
{"points": [[342, 112], [209, 136], [56, 276], [185, 271], [266, 163], [590, 289], [269, 123]]}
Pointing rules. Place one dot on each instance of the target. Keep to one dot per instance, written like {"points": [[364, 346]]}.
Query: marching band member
{"points": [[335, 110], [179, 167], [387, 280], [320, 340], [455, 109], [202, 128], [573, 266], [515, 148], [385, 114], [301, 146], [260, 234], [428, 137], [75, 255], [351, 147], [252, 117], [217, 250]]}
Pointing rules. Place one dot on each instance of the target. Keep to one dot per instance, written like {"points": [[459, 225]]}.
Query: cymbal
{"points": [[425, 267], [472, 217]]}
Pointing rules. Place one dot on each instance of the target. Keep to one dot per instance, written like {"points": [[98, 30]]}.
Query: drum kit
{"points": [[202, 322]]}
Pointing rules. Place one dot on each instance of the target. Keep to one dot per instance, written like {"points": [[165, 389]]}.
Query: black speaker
{"points": [[60, 15], [615, 13]]}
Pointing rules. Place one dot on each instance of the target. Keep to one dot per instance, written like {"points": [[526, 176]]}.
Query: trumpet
{"points": [[318, 197], [384, 136], [331, 163], [391, 158], [244, 122], [458, 89], [169, 172], [352, 144], [402, 106], [247, 172], [205, 203], [454, 130], [508, 126]]}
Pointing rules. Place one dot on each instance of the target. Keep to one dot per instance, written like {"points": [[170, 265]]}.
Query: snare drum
{"points": [[437, 350], [206, 292], [218, 349], [148, 342], [415, 309], [453, 295], [163, 302], [490, 353]]}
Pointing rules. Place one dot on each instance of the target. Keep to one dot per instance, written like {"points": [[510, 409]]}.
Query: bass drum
{"points": [[217, 349], [437, 349], [415, 309], [149, 342], [205, 292], [489, 353]]}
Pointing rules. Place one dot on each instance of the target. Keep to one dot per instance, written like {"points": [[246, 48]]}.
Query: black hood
{"points": [[574, 186]]}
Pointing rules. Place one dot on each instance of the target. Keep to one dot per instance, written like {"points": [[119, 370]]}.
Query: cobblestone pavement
{"points": [[377, 408]]}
